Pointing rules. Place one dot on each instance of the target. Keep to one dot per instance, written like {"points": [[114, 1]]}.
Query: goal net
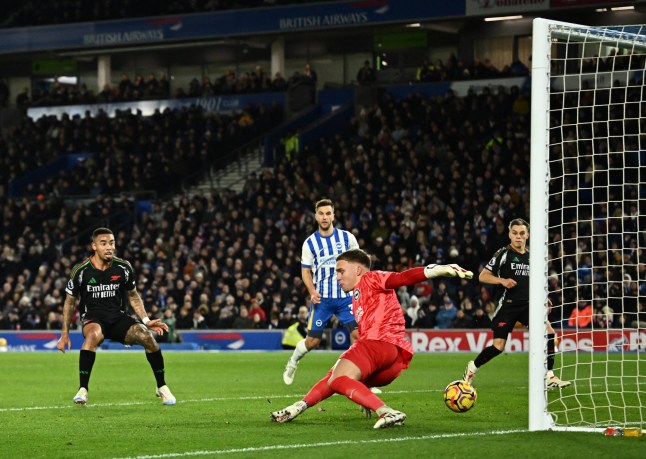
{"points": [[588, 224]]}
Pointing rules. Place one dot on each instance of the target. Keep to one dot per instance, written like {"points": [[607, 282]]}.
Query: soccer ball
{"points": [[460, 396]]}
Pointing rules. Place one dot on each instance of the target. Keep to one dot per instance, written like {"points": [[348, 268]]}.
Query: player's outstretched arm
{"points": [[452, 270]]}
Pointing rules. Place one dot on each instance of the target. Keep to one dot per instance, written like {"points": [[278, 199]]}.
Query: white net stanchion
{"points": [[588, 210]]}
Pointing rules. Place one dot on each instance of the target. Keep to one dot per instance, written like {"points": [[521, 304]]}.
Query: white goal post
{"points": [[588, 225]]}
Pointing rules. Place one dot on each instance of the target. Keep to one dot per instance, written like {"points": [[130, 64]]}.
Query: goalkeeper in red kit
{"points": [[381, 352]]}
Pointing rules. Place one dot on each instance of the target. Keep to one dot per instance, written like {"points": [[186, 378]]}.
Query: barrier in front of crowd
{"points": [[218, 340], [470, 341], [218, 104]]}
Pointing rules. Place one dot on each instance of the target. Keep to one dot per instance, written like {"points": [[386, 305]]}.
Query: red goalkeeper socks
{"points": [[357, 392]]}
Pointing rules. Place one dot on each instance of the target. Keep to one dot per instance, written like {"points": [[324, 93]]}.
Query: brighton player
{"points": [[318, 259], [381, 351], [104, 284], [509, 269]]}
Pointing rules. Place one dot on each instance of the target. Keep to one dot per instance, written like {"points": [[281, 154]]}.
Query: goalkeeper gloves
{"points": [[452, 270]]}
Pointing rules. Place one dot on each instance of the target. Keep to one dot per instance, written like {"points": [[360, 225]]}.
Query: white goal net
{"points": [[588, 224]]}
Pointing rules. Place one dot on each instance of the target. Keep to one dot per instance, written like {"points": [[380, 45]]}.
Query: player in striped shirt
{"points": [[318, 260], [381, 351]]}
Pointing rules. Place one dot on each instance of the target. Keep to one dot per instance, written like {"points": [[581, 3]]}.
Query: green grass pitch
{"points": [[224, 400]]}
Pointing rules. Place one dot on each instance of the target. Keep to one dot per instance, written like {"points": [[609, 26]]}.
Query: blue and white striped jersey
{"points": [[319, 254]]}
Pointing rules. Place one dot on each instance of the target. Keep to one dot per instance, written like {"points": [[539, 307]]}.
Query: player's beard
{"points": [[323, 227]]}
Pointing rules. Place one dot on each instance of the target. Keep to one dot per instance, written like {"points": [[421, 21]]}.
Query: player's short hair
{"points": [[323, 203], [355, 256], [100, 231], [518, 222]]}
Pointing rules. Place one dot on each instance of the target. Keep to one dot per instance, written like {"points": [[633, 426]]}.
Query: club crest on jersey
{"points": [[115, 278], [356, 295]]}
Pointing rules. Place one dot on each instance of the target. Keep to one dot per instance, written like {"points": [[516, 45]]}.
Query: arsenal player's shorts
{"points": [[380, 362], [505, 320], [114, 330]]}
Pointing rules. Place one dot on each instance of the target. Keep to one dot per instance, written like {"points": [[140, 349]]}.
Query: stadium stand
{"points": [[47, 12], [418, 179], [393, 174]]}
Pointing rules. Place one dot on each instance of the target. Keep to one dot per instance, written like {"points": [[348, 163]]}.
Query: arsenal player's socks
{"points": [[320, 391], [156, 361], [86, 362], [550, 351], [357, 392], [487, 354]]}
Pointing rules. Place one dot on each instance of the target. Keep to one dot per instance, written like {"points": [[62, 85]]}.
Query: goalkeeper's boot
{"points": [[376, 390], [290, 370], [81, 396], [389, 419], [554, 382], [166, 395], [289, 413], [470, 372]]}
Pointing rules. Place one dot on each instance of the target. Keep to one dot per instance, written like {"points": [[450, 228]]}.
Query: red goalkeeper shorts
{"points": [[380, 362]]}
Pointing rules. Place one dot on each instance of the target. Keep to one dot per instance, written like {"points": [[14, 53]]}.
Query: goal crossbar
{"points": [[610, 36]]}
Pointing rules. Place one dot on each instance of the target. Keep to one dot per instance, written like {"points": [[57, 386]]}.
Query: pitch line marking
{"points": [[196, 400], [258, 449]]}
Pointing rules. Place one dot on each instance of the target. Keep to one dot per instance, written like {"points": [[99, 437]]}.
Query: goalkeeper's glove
{"points": [[452, 270]]}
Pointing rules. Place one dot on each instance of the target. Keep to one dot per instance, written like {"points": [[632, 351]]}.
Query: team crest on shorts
{"points": [[356, 295]]}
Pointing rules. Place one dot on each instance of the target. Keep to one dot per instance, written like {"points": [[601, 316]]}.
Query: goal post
{"points": [[588, 225], [539, 181]]}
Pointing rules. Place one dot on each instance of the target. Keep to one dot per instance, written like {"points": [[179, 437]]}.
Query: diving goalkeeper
{"points": [[381, 352]]}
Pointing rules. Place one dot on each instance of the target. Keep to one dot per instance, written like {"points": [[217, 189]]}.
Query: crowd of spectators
{"points": [[157, 87], [49, 12], [131, 152], [455, 70], [418, 180]]}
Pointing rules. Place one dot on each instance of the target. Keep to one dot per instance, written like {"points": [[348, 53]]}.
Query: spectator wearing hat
{"points": [[447, 313]]}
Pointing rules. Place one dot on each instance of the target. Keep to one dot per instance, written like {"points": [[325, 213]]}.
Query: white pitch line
{"points": [[330, 443], [196, 400]]}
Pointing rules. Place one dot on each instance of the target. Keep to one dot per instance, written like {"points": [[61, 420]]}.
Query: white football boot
{"points": [[289, 372], [470, 372], [554, 382], [289, 413], [166, 395], [81, 396], [389, 419]]}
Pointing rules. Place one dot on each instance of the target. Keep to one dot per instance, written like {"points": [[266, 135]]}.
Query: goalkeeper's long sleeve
{"points": [[411, 276]]}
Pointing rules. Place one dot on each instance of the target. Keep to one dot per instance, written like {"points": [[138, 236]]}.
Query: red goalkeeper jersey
{"points": [[378, 312]]}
